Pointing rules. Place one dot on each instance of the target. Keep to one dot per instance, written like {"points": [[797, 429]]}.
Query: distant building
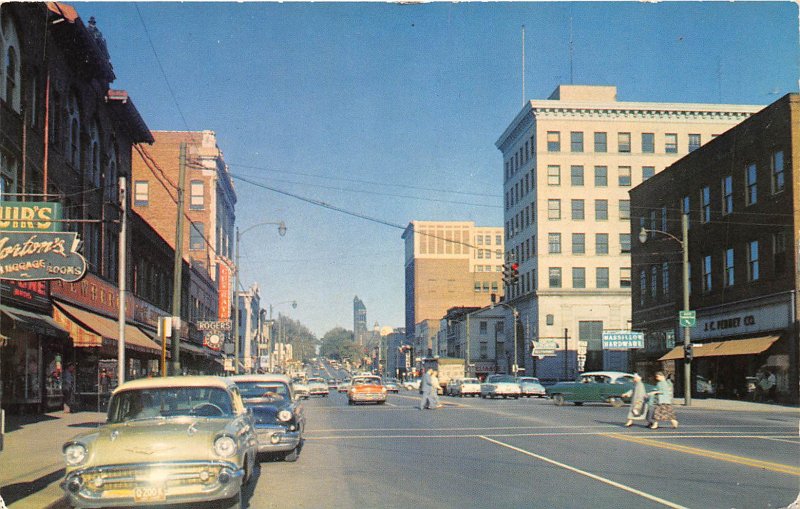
{"points": [[449, 263], [359, 321], [249, 325], [482, 333], [568, 164], [741, 195]]}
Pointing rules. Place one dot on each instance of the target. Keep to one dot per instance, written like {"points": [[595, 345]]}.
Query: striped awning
{"points": [[751, 346]]}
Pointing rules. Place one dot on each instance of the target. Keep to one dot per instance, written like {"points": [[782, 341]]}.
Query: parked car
{"points": [[332, 385], [530, 386], [704, 386], [412, 384], [366, 389], [613, 387], [496, 386], [391, 385], [464, 387], [300, 387], [277, 413], [317, 387], [194, 431], [343, 385]]}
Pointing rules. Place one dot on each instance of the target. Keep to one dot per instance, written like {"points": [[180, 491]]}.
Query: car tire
{"points": [[579, 403], [558, 399], [349, 401], [291, 456], [615, 402]]}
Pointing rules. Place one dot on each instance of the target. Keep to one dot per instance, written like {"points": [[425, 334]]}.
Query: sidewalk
{"points": [[31, 465], [730, 405]]}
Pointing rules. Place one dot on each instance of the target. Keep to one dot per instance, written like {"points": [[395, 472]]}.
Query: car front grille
{"points": [[126, 477]]}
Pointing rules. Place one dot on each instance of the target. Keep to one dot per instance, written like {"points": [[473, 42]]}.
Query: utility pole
{"points": [[122, 277], [178, 268], [687, 362], [566, 354], [236, 309]]}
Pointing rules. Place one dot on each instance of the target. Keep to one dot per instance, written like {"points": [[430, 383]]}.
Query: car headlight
{"points": [[383, 390], [74, 454], [284, 416], [225, 446]]}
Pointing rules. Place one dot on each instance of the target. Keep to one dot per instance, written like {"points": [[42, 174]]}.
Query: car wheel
{"points": [[381, 402], [349, 401], [615, 402], [558, 399], [579, 403], [292, 455]]}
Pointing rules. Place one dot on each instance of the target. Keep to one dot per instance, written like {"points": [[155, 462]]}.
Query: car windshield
{"points": [[367, 381], [169, 402], [275, 391], [316, 381], [470, 381]]}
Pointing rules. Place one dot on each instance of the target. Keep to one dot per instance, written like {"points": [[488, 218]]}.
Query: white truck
{"points": [[447, 367]]}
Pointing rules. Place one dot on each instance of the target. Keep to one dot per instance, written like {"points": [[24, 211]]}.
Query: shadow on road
{"points": [[18, 491], [16, 422], [88, 424]]}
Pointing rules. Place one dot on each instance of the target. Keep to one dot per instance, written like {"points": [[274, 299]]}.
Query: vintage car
{"points": [[365, 389], [172, 440], [613, 387], [530, 386], [412, 384], [392, 385], [500, 386], [463, 387], [277, 413], [300, 387], [317, 387], [343, 385]]}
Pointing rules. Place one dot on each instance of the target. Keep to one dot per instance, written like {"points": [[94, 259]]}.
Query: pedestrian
{"points": [[425, 387], [767, 385], [68, 388], [638, 409], [435, 389], [662, 401]]}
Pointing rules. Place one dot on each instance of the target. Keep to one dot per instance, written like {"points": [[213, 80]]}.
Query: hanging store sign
{"points": [[622, 340], [29, 216], [224, 291], [214, 333], [28, 256]]}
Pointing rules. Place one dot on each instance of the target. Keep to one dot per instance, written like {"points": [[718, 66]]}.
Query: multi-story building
{"points": [[359, 321], [482, 333], [568, 164], [741, 195], [249, 307], [449, 263], [426, 340]]}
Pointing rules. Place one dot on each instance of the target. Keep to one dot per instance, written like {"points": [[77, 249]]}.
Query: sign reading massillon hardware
{"points": [[32, 249]]}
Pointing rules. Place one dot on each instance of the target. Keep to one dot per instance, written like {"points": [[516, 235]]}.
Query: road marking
{"points": [[730, 458], [615, 484], [795, 442], [498, 435]]}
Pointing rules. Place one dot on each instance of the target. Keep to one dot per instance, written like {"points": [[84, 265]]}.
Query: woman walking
{"points": [[663, 403], [638, 409]]}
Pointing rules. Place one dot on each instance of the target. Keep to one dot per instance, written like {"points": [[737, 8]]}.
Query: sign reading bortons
{"points": [[622, 340], [27, 256]]}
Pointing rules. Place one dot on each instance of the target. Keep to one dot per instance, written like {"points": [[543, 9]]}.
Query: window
{"points": [[498, 240], [625, 242], [776, 167], [685, 203], [625, 176], [779, 252], [624, 140], [73, 124], [665, 279], [653, 281], [625, 209], [600, 142], [707, 273], [477, 287], [647, 172], [601, 176], [576, 175], [751, 181], [578, 243], [601, 210], [8, 175], [111, 184], [554, 209], [141, 193], [752, 261], [550, 319], [196, 236], [648, 143], [694, 142], [671, 143], [555, 277], [663, 218], [578, 277], [601, 243], [93, 163], [727, 195], [478, 238], [576, 141], [729, 272], [705, 201], [498, 254], [642, 286], [494, 286], [601, 274], [553, 141], [554, 243], [554, 175], [577, 210], [484, 350], [624, 277], [11, 65]]}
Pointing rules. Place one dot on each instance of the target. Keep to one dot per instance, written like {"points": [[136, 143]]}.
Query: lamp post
{"points": [[272, 333], [281, 231], [683, 241]]}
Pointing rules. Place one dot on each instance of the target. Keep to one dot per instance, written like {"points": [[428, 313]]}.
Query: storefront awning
{"points": [[34, 322], [750, 346], [88, 330]]}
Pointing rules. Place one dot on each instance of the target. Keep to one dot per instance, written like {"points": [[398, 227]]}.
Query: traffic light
{"points": [[514, 273], [506, 275], [687, 352]]}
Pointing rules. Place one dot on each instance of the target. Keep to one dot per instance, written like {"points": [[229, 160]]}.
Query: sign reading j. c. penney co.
{"points": [[18, 216]]}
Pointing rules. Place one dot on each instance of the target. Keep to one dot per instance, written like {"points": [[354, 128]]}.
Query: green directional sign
{"points": [[687, 318]]}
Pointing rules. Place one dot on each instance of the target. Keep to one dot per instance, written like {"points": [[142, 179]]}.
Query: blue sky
{"points": [[392, 111]]}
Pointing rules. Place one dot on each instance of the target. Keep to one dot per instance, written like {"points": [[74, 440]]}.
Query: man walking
{"points": [[426, 387]]}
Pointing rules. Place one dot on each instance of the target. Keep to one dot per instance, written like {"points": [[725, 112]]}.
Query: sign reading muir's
{"points": [[31, 246]]}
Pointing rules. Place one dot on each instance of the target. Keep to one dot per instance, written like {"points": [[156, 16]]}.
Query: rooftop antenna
{"points": [[523, 65], [571, 81]]}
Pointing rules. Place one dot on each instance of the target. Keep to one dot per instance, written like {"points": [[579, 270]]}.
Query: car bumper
{"points": [[134, 484], [367, 397], [319, 393], [277, 439]]}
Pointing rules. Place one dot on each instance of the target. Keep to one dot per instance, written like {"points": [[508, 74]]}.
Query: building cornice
{"points": [[562, 112]]}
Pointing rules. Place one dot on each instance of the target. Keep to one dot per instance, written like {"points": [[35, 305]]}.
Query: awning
{"points": [[91, 330], [750, 346], [34, 322]]}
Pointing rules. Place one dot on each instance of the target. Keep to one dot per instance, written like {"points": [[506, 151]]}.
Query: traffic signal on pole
{"points": [[687, 352], [514, 273], [506, 275]]}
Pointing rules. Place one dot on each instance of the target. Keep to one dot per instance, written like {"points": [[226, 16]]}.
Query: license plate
{"points": [[149, 494]]}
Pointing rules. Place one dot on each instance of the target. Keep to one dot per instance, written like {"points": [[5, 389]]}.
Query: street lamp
{"points": [[684, 242], [281, 231]]}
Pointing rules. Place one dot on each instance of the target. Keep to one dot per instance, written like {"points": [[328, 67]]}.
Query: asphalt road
{"points": [[477, 453]]}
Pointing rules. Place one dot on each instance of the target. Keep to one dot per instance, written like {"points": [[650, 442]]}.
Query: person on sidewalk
{"points": [[662, 400], [638, 409]]}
